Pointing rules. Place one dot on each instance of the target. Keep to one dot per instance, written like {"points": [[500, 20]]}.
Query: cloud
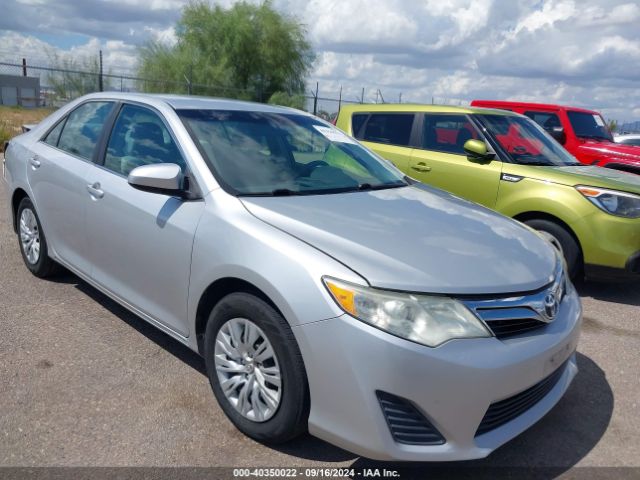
{"points": [[581, 52]]}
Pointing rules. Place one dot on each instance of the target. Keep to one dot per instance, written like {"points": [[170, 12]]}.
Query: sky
{"points": [[576, 52]]}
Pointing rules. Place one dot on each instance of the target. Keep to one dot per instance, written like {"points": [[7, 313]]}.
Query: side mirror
{"points": [[558, 134], [164, 178], [477, 150]]}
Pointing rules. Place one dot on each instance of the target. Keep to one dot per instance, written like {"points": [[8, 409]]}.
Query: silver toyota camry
{"points": [[326, 291]]}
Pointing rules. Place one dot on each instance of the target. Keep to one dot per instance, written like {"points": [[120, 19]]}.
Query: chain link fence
{"points": [[59, 86]]}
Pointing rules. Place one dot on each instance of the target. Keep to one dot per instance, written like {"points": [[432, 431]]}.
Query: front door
{"points": [[141, 242], [442, 162]]}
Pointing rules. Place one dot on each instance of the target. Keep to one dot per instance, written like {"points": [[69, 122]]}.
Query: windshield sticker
{"points": [[598, 120], [333, 135]]}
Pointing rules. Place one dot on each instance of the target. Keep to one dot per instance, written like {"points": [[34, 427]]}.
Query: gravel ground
{"points": [[85, 383]]}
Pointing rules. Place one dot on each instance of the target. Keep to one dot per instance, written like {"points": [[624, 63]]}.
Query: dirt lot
{"points": [[85, 383]]}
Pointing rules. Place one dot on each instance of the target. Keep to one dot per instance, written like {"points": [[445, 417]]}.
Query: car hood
{"points": [[611, 149], [580, 175], [415, 238]]}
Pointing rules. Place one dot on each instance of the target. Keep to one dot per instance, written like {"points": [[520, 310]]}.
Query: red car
{"points": [[582, 132]]}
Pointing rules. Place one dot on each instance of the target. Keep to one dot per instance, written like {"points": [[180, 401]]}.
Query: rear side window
{"points": [[139, 137], [357, 121], [546, 120], [53, 136], [83, 127], [447, 133], [389, 128]]}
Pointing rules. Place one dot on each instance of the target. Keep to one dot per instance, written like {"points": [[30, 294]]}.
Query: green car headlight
{"points": [[426, 319], [622, 204]]}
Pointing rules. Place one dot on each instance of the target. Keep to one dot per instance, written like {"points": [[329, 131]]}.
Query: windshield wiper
{"points": [[382, 186], [534, 161], [278, 192]]}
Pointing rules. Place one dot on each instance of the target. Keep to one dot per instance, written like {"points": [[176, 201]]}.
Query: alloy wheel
{"points": [[30, 236], [552, 239]]}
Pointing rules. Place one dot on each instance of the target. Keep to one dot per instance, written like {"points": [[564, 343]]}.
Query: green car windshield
{"points": [[269, 154], [525, 141]]}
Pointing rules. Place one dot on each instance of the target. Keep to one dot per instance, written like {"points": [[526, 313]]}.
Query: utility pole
{"points": [[400, 98], [315, 99], [100, 81], [24, 67], [362, 98], [340, 99]]}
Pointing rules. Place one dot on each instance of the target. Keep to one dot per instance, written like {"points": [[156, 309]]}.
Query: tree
{"points": [[286, 100], [613, 125], [245, 51], [73, 78]]}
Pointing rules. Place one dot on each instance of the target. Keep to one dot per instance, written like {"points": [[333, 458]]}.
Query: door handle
{"points": [[35, 163], [95, 191], [421, 167]]}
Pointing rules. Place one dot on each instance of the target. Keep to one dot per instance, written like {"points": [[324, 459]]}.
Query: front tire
{"points": [[561, 239], [32, 241], [255, 369]]}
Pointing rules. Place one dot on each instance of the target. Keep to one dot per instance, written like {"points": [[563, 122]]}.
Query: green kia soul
{"points": [[506, 162]]}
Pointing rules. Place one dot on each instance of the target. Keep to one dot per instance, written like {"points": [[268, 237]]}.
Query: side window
{"points": [[447, 133], [139, 137], [83, 128], [357, 121], [389, 128], [546, 120], [54, 134]]}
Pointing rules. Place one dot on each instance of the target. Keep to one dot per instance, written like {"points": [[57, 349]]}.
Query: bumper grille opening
{"points": [[506, 410], [506, 328], [406, 424]]}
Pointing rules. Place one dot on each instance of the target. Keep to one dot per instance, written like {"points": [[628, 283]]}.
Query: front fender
{"points": [[232, 243]]}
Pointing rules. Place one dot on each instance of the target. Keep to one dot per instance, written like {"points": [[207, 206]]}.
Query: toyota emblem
{"points": [[550, 305]]}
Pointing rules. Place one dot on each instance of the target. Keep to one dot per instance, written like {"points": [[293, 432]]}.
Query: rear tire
{"points": [[32, 241], [234, 360], [563, 241]]}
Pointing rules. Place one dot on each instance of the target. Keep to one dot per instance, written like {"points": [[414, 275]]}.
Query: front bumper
{"points": [[453, 385], [609, 241]]}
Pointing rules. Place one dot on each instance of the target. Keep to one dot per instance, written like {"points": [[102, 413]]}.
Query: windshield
{"points": [[589, 125], [257, 153], [525, 141]]}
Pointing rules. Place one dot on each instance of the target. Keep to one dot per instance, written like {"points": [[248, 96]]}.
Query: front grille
{"points": [[522, 313], [506, 410], [406, 423], [505, 322]]}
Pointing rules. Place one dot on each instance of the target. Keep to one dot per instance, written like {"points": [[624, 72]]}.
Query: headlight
{"points": [[426, 319], [622, 204]]}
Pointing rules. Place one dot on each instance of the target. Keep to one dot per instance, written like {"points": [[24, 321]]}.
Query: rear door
{"points": [[141, 242], [56, 172], [442, 162], [387, 134]]}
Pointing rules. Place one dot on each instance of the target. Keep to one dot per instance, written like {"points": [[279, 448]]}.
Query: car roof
{"points": [[420, 107], [513, 104], [192, 102]]}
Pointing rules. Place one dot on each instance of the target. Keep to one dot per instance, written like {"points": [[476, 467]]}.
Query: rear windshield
{"points": [[265, 154]]}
